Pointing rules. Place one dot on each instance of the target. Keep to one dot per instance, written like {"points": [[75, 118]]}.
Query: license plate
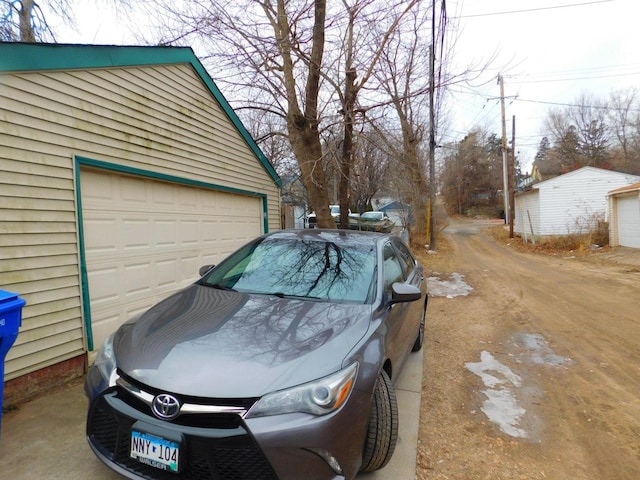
{"points": [[155, 451]]}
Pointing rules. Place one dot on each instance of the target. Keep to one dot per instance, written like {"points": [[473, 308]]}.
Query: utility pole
{"points": [[433, 242], [505, 174], [512, 177]]}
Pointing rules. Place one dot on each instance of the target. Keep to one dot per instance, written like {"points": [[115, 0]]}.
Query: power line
{"points": [[509, 12], [581, 78], [596, 107]]}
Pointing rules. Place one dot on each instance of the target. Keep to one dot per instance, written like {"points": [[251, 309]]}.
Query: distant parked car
{"points": [[335, 213], [376, 215], [278, 364]]}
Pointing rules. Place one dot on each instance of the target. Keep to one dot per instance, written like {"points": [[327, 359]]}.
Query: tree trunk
{"points": [[304, 135], [347, 148], [305, 142], [26, 27]]}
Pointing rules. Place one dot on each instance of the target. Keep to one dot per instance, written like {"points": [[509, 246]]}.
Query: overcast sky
{"points": [[548, 51]]}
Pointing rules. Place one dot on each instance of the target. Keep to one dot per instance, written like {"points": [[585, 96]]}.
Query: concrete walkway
{"points": [[45, 439]]}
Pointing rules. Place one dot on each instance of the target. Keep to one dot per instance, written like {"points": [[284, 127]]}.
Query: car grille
{"points": [[222, 451]]}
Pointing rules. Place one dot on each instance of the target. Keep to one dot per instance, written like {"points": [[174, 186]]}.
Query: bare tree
{"points": [[589, 117], [368, 61], [370, 171], [472, 174], [624, 120], [297, 61], [580, 135], [29, 20], [404, 77]]}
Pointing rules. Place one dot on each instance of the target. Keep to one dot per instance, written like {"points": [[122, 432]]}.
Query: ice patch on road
{"points": [[501, 405], [454, 287], [538, 350], [488, 363]]}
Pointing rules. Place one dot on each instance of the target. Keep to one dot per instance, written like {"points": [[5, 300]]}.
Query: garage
{"points": [[624, 226], [144, 239], [125, 170]]}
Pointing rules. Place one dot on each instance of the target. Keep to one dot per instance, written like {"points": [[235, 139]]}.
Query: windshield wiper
{"points": [[218, 286], [286, 295]]}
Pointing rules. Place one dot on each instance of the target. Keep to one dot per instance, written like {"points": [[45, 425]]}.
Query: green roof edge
{"points": [[20, 57]]}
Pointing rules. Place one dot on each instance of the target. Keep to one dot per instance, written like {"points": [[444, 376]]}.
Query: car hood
{"points": [[207, 342]]}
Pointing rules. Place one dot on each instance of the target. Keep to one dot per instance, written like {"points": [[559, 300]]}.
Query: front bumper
{"points": [[228, 447]]}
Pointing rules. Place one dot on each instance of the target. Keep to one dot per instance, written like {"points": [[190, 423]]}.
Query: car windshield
{"points": [[373, 215], [301, 268]]}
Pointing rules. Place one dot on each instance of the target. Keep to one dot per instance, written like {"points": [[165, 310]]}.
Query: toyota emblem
{"points": [[165, 406]]}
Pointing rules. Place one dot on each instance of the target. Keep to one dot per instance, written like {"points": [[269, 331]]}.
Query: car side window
{"points": [[405, 257], [392, 267]]}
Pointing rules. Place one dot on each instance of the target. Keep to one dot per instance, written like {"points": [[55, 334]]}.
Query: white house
{"points": [[124, 169], [572, 203], [624, 224]]}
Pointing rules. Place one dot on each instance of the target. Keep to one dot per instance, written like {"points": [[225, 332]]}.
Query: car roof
{"points": [[346, 237]]}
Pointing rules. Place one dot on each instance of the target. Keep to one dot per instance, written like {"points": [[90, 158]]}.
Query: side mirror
{"points": [[404, 292], [205, 269]]}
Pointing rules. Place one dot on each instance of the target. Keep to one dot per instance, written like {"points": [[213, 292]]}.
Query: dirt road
{"points": [[536, 373]]}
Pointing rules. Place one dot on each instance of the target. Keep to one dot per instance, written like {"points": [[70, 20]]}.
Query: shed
{"points": [[572, 203], [624, 224], [399, 212], [124, 169]]}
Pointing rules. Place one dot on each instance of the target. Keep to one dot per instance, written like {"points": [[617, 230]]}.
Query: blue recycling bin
{"points": [[10, 320]]}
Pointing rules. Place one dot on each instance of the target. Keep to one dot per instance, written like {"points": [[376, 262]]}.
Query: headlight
{"points": [[105, 362], [319, 397]]}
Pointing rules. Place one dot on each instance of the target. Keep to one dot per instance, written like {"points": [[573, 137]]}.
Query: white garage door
{"points": [[144, 239], [629, 221]]}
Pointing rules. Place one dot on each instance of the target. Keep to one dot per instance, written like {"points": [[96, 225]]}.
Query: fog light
{"points": [[330, 459]]}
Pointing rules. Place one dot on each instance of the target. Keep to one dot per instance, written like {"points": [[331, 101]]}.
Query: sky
{"points": [[549, 52]]}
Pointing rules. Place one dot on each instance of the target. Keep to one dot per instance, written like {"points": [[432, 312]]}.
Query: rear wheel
{"points": [[382, 433]]}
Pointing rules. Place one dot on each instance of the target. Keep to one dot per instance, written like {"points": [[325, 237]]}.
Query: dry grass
{"points": [[440, 260], [574, 244]]}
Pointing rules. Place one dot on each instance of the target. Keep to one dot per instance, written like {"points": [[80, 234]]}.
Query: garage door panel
{"points": [[131, 191], [629, 221], [188, 198], [189, 232], [166, 273], [145, 239], [99, 235], [135, 233], [138, 279], [104, 284]]}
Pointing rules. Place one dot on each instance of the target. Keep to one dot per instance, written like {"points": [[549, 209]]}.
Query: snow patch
{"points": [[454, 287], [501, 406]]}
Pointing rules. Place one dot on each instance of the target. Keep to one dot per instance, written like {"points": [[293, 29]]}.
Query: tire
{"points": [[382, 433], [417, 345]]}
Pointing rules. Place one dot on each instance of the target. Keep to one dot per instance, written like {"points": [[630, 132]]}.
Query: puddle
{"points": [[454, 287]]}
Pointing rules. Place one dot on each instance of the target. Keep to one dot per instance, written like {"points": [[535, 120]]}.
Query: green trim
{"points": [[19, 57], [112, 167], [84, 278]]}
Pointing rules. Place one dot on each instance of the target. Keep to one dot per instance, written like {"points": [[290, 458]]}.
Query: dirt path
{"points": [[536, 373]]}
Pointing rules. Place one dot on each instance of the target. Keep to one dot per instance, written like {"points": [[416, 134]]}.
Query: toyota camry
{"points": [[279, 363]]}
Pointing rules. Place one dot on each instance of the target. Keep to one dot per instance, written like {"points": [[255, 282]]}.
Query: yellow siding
{"points": [[160, 119]]}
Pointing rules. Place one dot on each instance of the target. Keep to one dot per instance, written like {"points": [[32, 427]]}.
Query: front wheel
{"points": [[417, 345], [382, 433]]}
